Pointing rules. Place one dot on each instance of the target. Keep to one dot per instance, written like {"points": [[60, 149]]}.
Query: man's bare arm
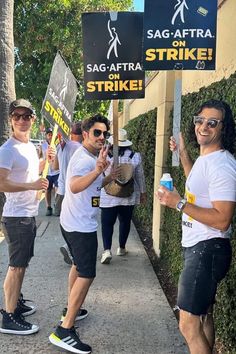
{"points": [[219, 216], [6, 185]]}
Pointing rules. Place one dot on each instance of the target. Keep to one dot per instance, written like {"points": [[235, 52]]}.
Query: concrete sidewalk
{"points": [[128, 312]]}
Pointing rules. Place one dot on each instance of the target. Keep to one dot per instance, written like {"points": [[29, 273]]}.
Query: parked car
{"points": [[37, 143]]}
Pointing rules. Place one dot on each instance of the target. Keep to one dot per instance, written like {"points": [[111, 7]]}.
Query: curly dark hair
{"points": [[228, 127], [89, 122]]}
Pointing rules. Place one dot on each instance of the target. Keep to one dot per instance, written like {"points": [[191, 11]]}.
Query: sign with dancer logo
{"points": [[112, 45], [59, 102], [180, 34]]}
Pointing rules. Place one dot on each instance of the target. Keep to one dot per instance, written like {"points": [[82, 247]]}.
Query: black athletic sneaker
{"points": [[82, 313], [69, 340], [25, 307], [13, 323], [49, 211]]}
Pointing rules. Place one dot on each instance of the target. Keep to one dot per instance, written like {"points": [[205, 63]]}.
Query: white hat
{"points": [[122, 138]]}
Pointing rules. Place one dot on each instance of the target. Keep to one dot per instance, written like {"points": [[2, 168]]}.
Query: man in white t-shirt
{"points": [[78, 220], [208, 209], [65, 150], [19, 180]]}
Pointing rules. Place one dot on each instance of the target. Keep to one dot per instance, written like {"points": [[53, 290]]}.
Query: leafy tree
{"points": [[44, 27]]}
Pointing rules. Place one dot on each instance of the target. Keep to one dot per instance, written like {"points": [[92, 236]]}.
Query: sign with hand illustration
{"points": [[112, 46], [180, 34]]}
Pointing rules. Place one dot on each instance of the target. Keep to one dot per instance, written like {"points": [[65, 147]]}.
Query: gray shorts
{"points": [[205, 265], [20, 234]]}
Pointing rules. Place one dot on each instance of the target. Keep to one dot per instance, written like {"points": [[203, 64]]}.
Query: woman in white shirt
{"points": [[122, 207]]}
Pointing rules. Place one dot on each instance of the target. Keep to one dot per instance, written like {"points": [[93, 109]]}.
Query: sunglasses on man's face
{"points": [[98, 132], [211, 123], [26, 117]]}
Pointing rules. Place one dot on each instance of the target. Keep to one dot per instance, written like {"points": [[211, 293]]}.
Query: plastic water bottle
{"points": [[167, 181]]}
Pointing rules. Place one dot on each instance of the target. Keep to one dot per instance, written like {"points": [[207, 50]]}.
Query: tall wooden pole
{"points": [[115, 133]]}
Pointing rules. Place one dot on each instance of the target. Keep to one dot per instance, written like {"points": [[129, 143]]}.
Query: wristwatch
{"points": [[181, 204]]}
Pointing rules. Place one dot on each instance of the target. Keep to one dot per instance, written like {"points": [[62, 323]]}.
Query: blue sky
{"points": [[139, 5]]}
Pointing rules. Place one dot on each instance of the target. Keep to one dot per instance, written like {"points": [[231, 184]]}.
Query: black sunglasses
{"points": [[26, 117], [211, 123], [98, 132]]}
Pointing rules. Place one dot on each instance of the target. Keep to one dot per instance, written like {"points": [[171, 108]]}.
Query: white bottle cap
{"points": [[166, 176]]}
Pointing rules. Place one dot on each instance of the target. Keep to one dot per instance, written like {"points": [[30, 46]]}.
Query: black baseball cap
{"points": [[48, 130], [21, 103]]}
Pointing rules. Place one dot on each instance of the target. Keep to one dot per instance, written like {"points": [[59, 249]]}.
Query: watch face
{"points": [[180, 205]]}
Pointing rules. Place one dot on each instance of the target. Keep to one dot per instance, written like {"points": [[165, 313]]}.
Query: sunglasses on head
{"points": [[26, 117], [98, 132], [211, 123]]}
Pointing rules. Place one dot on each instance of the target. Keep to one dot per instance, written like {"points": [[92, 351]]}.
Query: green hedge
{"points": [[142, 131]]}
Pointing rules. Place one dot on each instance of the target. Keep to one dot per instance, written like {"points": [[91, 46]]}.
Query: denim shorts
{"points": [[83, 247], [20, 233], [205, 265], [53, 181]]}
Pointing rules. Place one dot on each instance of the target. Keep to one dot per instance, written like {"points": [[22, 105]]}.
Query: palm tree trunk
{"points": [[7, 83]]}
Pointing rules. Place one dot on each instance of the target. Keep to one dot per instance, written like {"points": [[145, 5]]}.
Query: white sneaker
{"points": [[121, 251], [106, 257]]}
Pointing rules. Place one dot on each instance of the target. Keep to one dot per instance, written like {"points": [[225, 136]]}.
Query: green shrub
{"points": [[142, 132]]}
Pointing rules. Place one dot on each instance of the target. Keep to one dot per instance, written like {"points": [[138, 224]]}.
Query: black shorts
{"points": [[83, 247], [205, 265], [53, 182], [20, 233]]}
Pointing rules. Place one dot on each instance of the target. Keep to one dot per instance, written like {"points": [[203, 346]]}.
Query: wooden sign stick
{"points": [[115, 133]]}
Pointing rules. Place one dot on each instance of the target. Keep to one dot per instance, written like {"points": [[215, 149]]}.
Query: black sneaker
{"points": [[25, 307], [66, 254], [82, 313], [49, 211], [69, 340], [13, 323]]}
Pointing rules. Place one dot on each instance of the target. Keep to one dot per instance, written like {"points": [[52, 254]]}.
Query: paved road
{"points": [[128, 312]]}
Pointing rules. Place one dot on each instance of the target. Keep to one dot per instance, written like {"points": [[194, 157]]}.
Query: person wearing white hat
{"points": [[122, 139], [113, 206]]}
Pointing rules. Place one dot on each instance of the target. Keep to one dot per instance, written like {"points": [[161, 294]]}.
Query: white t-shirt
{"points": [[212, 178], [79, 211], [23, 162], [64, 157]]}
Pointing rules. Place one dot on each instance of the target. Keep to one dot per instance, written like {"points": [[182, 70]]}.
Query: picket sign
{"points": [[41, 194]]}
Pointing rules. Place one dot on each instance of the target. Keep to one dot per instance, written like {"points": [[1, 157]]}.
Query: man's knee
{"points": [[16, 270]]}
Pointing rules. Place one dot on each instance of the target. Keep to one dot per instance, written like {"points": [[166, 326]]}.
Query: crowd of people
{"points": [[85, 174]]}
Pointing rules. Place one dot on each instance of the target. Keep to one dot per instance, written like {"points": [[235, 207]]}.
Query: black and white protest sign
{"points": [[180, 34], [59, 101], [112, 47]]}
